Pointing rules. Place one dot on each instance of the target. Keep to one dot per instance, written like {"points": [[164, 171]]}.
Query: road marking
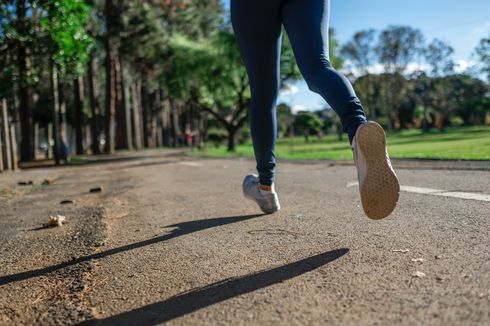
{"points": [[190, 164], [438, 192]]}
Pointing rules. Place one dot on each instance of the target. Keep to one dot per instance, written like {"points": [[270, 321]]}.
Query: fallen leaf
{"points": [[57, 220]]}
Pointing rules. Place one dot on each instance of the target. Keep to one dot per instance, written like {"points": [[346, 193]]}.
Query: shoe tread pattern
{"points": [[380, 190]]}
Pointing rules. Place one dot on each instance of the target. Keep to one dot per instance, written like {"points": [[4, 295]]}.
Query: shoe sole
{"points": [[380, 190]]}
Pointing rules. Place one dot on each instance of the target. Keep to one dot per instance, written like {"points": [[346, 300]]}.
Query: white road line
{"points": [[190, 164], [438, 192]]}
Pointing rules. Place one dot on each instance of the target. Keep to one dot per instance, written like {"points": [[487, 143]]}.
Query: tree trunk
{"points": [[13, 147], [166, 123], [78, 121], [24, 91], [56, 111], [126, 109], [94, 105], [63, 131], [110, 105], [5, 134], [232, 139], [138, 141], [175, 124], [121, 140], [145, 107]]}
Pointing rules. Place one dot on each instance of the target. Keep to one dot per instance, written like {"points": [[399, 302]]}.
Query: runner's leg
{"points": [[307, 23], [257, 26]]}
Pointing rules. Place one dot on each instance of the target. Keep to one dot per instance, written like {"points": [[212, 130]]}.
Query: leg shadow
{"points": [[200, 298], [180, 230]]}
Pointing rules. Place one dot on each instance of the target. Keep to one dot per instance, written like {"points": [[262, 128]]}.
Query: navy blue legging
{"points": [[257, 25]]}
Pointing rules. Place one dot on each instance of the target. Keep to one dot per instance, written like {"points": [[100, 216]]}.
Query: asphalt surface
{"points": [[172, 240]]}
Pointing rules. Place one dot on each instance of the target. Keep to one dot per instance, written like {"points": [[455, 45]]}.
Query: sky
{"points": [[460, 23]]}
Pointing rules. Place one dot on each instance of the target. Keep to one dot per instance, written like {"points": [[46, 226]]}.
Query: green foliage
{"points": [[483, 53], [438, 56], [285, 119], [65, 34], [308, 122], [360, 50], [398, 46]]}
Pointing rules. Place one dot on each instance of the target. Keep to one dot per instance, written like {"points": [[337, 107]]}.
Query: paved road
{"points": [[171, 239]]}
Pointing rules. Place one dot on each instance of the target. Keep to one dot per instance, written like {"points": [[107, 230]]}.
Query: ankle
{"points": [[265, 188]]}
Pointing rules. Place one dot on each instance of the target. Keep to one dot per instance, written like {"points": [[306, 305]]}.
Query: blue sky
{"points": [[460, 23]]}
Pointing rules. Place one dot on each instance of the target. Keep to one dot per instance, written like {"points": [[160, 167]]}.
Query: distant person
{"points": [[257, 25]]}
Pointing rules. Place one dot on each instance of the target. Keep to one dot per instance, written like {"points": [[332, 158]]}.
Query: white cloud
{"points": [[413, 67], [463, 65], [289, 90], [299, 107]]}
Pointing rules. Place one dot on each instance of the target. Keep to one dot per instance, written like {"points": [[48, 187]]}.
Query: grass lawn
{"points": [[469, 143]]}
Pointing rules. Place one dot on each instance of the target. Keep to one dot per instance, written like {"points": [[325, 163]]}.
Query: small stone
{"points": [[439, 278], [66, 201], [418, 274], [418, 260], [47, 182], [96, 189], [438, 256]]}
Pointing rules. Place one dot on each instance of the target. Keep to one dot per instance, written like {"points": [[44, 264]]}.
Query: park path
{"points": [[171, 239]]}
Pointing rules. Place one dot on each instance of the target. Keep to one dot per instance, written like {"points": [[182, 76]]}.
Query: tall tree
{"points": [[360, 50], [24, 89], [111, 15], [438, 55], [68, 47], [398, 46], [483, 53], [308, 122]]}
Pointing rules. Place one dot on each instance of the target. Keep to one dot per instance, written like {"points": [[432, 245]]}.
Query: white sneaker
{"points": [[378, 183], [267, 200]]}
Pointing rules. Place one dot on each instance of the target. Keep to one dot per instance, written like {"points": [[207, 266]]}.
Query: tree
{"points": [[368, 88], [470, 98], [438, 55], [211, 76], [68, 47], [17, 42], [308, 122], [285, 120], [483, 53], [360, 50], [398, 46]]}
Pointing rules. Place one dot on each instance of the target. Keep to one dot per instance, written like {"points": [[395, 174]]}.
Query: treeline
{"points": [[417, 85], [102, 75], [404, 82]]}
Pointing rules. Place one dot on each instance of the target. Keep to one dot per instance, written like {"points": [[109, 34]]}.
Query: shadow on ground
{"points": [[180, 230], [200, 298]]}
